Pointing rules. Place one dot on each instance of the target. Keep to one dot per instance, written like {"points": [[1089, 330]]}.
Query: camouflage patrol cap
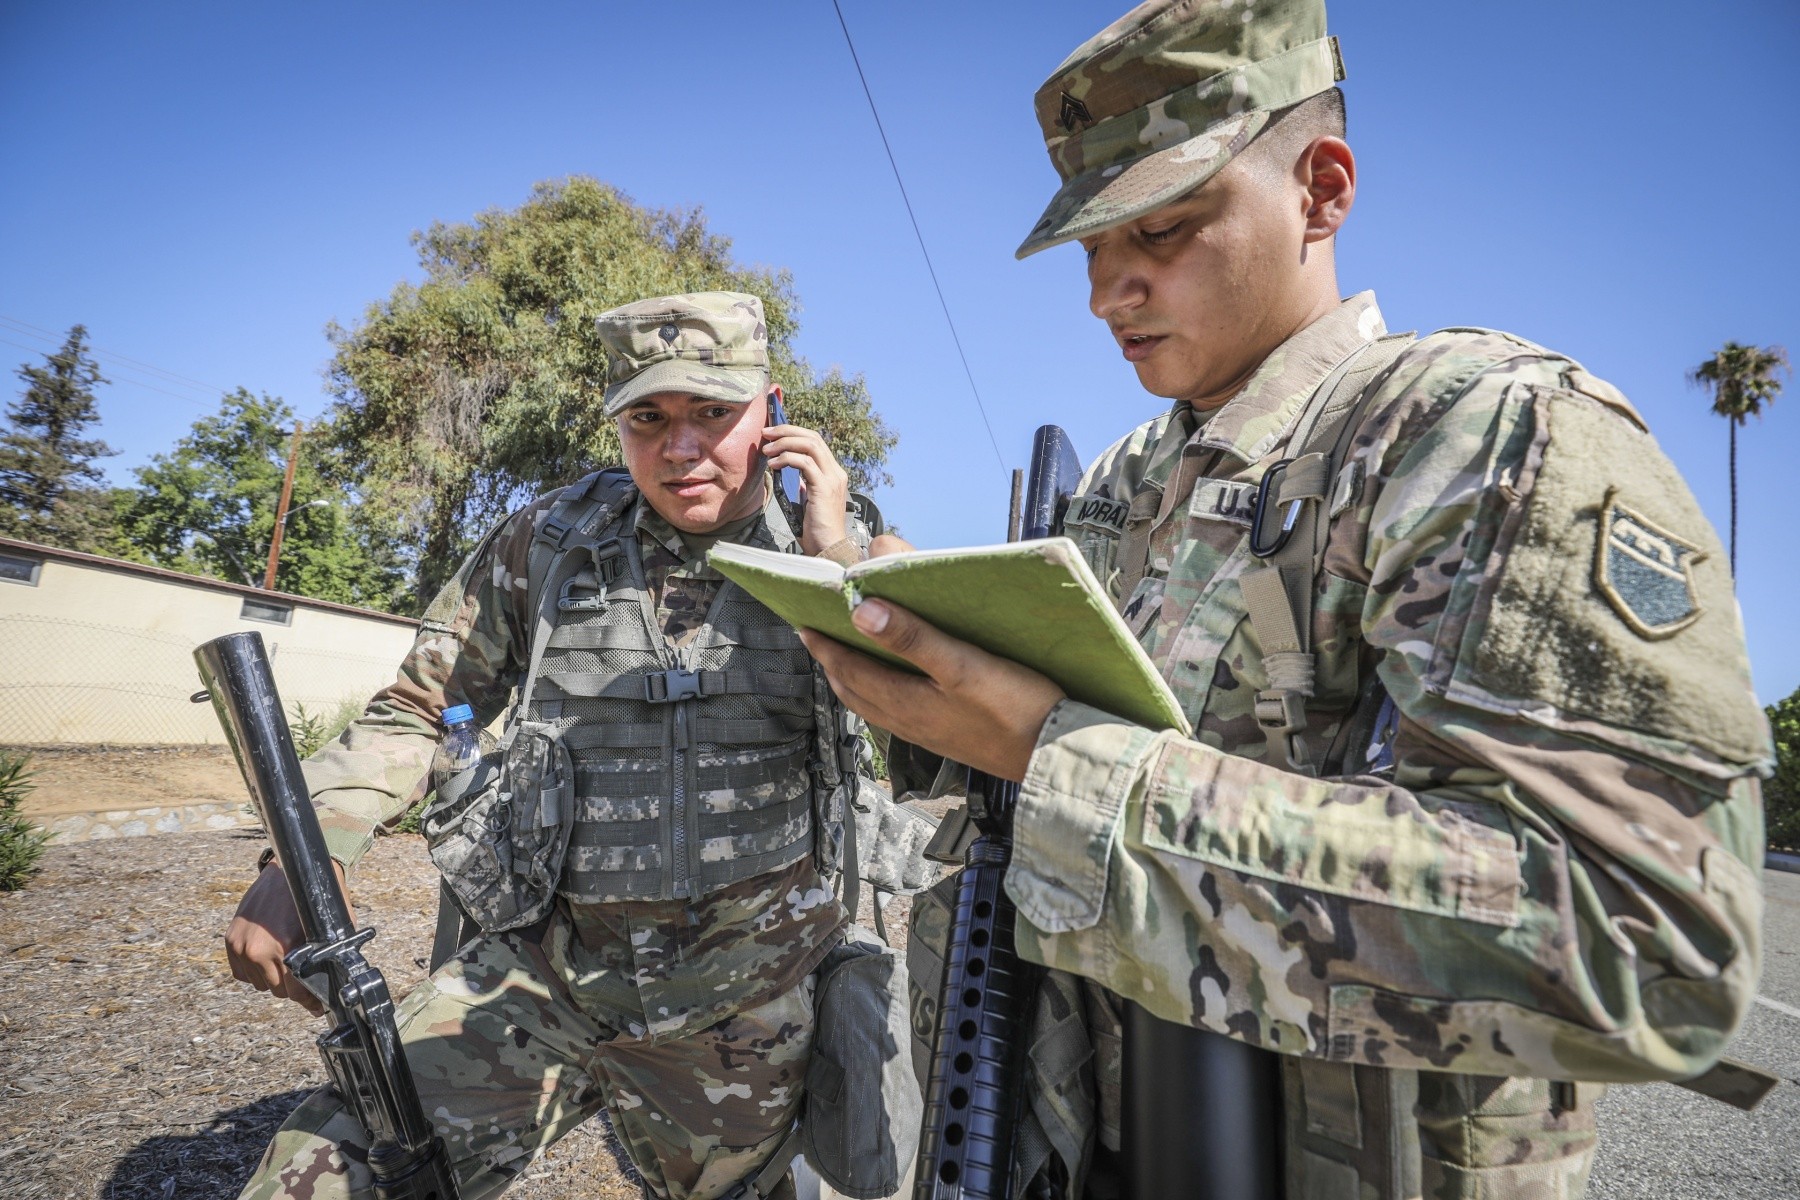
{"points": [[711, 344], [1153, 105]]}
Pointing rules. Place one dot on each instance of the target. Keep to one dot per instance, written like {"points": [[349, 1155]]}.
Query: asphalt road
{"points": [[1658, 1142]]}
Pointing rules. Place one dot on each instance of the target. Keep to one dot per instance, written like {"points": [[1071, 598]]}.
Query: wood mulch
{"points": [[136, 1068]]}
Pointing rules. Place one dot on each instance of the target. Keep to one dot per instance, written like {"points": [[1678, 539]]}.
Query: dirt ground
{"points": [[83, 778], [136, 1068]]}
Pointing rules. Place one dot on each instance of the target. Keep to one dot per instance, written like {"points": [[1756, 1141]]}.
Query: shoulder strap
{"points": [[1289, 533], [571, 521]]}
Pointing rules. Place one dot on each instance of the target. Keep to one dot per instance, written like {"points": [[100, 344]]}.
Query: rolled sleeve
{"points": [[1070, 804]]}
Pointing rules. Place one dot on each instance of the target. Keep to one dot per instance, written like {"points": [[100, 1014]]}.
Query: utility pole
{"points": [[287, 490]]}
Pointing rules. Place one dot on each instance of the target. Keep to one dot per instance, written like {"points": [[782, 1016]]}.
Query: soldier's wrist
{"points": [[844, 552]]}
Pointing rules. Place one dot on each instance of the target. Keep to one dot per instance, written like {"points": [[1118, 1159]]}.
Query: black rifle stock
{"points": [[978, 1050], [363, 1055]]}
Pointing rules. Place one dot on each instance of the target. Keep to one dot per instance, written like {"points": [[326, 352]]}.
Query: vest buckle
{"points": [[671, 687]]}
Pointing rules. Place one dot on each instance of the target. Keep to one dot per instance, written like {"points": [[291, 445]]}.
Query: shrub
{"points": [[1781, 794], [410, 822], [21, 842], [313, 730]]}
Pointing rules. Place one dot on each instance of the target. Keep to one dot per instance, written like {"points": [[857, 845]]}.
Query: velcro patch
{"points": [[1097, 510], [1224, 500], [1645, 572]]}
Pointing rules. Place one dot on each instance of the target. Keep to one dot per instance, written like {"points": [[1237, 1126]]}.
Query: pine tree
{"points": [[50, 490]]}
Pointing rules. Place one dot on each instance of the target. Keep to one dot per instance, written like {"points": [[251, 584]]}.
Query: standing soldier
{"points": [[1470, 819], [646, 943]]}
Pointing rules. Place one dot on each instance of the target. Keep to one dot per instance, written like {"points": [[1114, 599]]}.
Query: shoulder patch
{"points": [[1097, 510], [1645, 572]]}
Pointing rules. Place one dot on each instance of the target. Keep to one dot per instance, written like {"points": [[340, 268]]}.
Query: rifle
{"points": [[1201, 1111], [363, 1055], [978, 1047]]}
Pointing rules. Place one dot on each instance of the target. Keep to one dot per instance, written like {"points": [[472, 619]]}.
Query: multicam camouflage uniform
{"points": [[1554, 879], [1546, 871], [689, 1019]]}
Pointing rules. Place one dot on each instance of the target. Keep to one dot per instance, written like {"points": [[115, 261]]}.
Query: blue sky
{"points": [[205, 186]]}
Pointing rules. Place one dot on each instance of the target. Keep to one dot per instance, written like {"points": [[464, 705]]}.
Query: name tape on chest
{"points": [[1097, 511]]}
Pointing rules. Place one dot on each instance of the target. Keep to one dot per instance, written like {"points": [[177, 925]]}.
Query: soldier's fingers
{"points": [[872, 689], [254, 956], [290, 988], [946, 659], [889, 543]]}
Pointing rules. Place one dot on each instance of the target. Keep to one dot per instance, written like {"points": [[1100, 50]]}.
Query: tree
{"points": [[1781, 794], [460, 397], [208, 508], [50, 490], [1742, 380]]}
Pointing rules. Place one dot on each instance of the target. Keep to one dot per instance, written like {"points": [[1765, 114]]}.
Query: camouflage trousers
{"points": [[507, 1061]]}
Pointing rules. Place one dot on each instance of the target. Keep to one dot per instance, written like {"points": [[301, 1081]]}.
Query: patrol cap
{"points": [[711, 344], [1153, 105]]}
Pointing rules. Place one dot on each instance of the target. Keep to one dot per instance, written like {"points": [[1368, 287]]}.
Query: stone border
{"points": [[142, 822]]}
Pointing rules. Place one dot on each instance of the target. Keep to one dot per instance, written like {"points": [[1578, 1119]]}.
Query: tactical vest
{"points": [[630, 770]]}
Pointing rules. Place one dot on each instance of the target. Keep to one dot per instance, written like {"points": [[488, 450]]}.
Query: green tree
{"points": [[1741, 379], [461, 396], [50, 490], [208, 508], [1781, 794]]}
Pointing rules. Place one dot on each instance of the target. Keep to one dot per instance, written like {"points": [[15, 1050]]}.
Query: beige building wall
{"points": [[95, 650]]}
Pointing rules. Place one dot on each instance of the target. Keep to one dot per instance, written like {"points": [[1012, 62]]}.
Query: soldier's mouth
{"points": [[687, 487], [1136, 347]]}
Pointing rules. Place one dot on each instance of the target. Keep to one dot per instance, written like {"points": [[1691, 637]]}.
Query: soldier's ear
{"points": [[1327, 169]]}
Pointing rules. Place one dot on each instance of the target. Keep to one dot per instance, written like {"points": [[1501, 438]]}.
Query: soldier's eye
{"points": [[1158, 236]]}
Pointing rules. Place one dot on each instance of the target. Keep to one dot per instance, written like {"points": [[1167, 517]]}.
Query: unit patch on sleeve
{"points": [[1645, 572]]}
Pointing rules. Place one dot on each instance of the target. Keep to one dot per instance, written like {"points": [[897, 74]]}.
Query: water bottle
{"points": [[462, 749]]}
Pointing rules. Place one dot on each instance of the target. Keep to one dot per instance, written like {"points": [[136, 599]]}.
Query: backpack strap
{"points": [[1294, 507]]}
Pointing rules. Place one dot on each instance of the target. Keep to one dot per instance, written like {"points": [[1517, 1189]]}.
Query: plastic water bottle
{"points": [[462, 748]]}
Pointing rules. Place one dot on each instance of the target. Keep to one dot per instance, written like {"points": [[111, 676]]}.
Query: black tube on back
{"points": [[1202, 1115], [236, 673]]}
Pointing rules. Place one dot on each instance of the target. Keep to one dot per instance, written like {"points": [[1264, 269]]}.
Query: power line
{"points": [[120, 378], [948, 320], [28, 329]]}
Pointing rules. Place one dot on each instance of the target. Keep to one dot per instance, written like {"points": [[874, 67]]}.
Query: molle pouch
{"points": [[891, 837], [498, 830], [863, 1103], [467, 828], [538, 775]]}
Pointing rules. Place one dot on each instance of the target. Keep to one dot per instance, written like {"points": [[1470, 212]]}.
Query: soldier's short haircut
{"points": [[1291, 129]]}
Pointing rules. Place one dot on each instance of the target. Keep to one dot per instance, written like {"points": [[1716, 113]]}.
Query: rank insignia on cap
{"points": [[1074, 112], [1645, 572]]}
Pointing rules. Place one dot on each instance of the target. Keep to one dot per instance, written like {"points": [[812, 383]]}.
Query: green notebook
{"points": [[1033, 602]]}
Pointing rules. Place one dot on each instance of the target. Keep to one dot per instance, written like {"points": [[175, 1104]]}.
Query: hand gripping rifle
{"points": [[978, 1049], [363, 1055]]}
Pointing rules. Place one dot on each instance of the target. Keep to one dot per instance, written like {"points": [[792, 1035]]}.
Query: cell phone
{"points": [[786, 478]]}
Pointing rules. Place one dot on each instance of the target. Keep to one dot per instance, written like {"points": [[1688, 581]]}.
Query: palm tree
{"points": [[1742, 380]]}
